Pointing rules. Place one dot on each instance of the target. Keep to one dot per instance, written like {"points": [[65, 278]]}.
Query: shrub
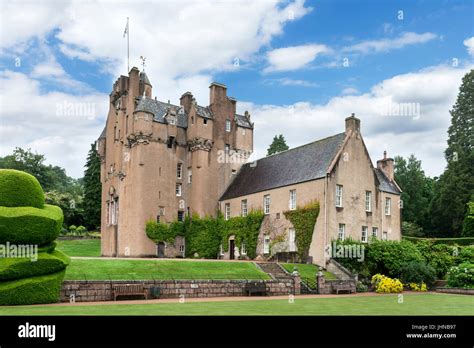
{"points": [[417, 272], [461, 276], [388, 257], [411, 229], [33, 290], [417, 287], [159, 232], [81, 230], [465, 254], [18, 268], [72, 228], [28, 225], [20, 189], [449, 241], [361, 287], [439, 256], [385, 284]]}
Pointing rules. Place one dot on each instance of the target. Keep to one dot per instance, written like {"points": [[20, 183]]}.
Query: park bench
{"points": [[344, 288], [255, 288], [129, 289]]}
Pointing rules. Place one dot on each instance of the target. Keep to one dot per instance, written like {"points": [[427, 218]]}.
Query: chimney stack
{"points": [[352, 124], [218, 93], [386, 165]]}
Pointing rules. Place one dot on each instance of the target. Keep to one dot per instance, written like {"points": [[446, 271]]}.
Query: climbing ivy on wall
{"points": [[205, 235], [303, 220]]}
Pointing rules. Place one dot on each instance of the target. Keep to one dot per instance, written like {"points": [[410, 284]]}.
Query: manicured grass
{"points": [[413, 304], [79, 247], [307, 270], [120, 269]]}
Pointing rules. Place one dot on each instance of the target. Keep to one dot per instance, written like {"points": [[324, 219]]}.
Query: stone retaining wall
{"points": [[82, 290], [460, 291], [331, 286]]}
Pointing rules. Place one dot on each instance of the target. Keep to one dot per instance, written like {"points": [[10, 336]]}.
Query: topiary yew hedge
{"points": [[27, 224]]}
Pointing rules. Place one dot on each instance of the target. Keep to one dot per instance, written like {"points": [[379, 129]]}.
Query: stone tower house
{"points": [[161, 161]]}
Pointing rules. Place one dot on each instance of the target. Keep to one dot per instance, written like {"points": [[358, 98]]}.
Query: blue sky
{"points": [[302, 68]]}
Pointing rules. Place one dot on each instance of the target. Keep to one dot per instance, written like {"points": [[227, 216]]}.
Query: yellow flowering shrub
{"points": [[417, 287], [386, 285]]}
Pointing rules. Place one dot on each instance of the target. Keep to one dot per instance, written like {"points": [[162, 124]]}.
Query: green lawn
{"points": [[413, 304], [120, 269], [307, 270], [80, 247]]}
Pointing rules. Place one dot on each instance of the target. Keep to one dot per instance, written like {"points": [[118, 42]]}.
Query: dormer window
{"points": [[172, 120]]}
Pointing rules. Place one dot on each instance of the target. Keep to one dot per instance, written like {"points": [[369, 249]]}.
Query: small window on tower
{"points": [[170, 142], [180, 215], [227, 125], [204, 121]]}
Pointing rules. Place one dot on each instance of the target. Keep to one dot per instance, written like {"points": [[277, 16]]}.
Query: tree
{"points": [[417, 191], [468, 225], [278, 145], [92, 189], [455, 187]]}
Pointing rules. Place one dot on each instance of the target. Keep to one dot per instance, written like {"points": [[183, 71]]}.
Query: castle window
{"points": [[243, 207], [384, 235], [243, 131], [181, 248], [339, 196], [368, 201], [158, 218], [375, 232], [180, 215], [172, 120], [388, 205], [170, 142], [243, 249], [162, 211], [190, 175], [342, 232], [179, 170], [204, 121], [178, 190], [227, 211], [266, 204], [192, 119], [292, 204], [227, 148], [112, 212], [227, 125], [363, 237], [266, 244]]}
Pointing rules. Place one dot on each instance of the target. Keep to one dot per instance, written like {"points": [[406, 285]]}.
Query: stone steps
{"points": [[274, 270]]}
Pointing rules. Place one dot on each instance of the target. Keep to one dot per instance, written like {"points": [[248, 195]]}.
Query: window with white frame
{"points": [[266, 204], [243, 207], [179, 170], [221, 250], [384, 235], [112, 212], [375, 232], [227, 211], [266, 244], [172, 120], [388, 206], [342, 232], [368, 201], [181, 248], [339, 196], [190, 175], [227, 125], [243, 249], [291, 240], [179, 190], [292, 204], [363, 237]]}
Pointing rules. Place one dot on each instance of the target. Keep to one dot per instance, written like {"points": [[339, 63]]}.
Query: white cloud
{"points": [[59, 125], [434, 89], [469, 43], [385, 45], [293, 58], [285, 81], [350, 90]]}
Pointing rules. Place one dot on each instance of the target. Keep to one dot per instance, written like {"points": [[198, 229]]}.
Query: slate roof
{"points": [[385, 184], [300, 164], [204, 111], [159, 110], [243, 121], [144, 78]]}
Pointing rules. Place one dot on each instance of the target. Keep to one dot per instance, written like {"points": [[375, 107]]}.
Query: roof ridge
{"points": [[300, 146]]}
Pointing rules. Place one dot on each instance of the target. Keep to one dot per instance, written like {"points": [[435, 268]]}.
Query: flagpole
{"points": [[128, 47]]}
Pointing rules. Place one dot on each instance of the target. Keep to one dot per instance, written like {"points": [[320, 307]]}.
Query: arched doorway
{"points": [[160, 249]]}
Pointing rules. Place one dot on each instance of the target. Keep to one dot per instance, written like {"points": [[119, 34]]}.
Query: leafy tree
{"points": [[92, 189], [278, 145], [455, 187], [468, 225], [417, 191]]}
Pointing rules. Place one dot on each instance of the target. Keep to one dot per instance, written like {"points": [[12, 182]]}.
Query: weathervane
{"points": [[143, 59]]}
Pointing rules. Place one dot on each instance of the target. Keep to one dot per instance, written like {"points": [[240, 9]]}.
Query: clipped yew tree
{"points": [[31, 270]]}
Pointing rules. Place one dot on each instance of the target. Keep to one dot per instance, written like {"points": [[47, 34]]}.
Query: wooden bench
{"points": [[255, 288], [344, 288], [129, 289]]}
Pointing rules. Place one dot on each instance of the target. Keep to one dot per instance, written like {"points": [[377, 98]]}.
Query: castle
{"points": [[163, 162]]}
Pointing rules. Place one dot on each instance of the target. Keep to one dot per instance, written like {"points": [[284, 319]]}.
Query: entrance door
{"points": [[232, 249], [160, 249]]}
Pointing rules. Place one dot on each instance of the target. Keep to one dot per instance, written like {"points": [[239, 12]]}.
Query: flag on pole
{"points": [[126, 29]]}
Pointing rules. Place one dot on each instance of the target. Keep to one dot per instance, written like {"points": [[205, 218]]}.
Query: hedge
{"points": [[34, 290], [449, 241], [28, 225], [20, 189], [18, 268]]}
